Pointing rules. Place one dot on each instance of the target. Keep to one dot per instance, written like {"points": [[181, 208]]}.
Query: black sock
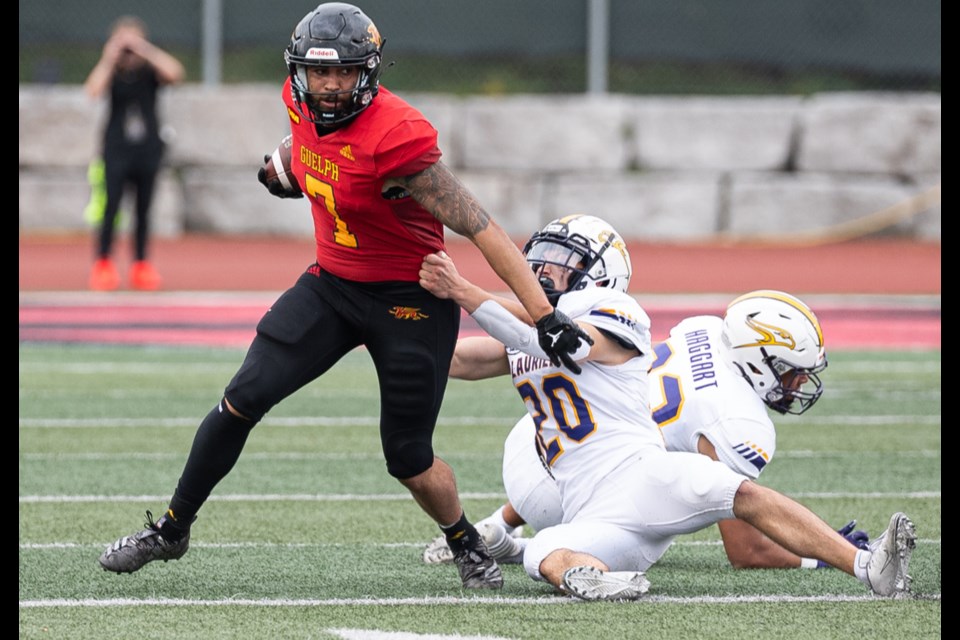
{"points": [[173, 529], [461, 535], [216, 448]]}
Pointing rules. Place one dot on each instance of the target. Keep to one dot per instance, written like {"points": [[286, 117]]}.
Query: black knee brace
{"points": [[407, 458]]}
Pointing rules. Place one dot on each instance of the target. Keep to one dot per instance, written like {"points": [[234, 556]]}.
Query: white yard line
{"points": [[396, 497], [324, 455], [332, 545], [373, 421], [434, 601]]}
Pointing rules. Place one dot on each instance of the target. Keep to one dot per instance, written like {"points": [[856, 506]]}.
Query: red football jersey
{"points": [[361, 235]]}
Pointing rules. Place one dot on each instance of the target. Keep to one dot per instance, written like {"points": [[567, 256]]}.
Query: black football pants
{"points": [[409, 333]]}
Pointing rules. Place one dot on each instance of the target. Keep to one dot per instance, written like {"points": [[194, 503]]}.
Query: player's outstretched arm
{"points": [[441, 193], [439, 276], [500, 318], [479, 358]]}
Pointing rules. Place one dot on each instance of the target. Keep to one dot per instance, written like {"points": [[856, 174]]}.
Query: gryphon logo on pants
{"points": [[407, 313]]}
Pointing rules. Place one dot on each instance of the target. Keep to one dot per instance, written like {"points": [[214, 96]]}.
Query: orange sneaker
{"points": [[144, 277], [104, 276]]}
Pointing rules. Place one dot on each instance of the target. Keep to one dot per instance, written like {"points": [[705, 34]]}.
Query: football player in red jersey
{"points": [[381, 197]]}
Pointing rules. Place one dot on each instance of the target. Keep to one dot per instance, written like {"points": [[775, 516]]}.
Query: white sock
{"points": [[860, 566], [497, 518]]}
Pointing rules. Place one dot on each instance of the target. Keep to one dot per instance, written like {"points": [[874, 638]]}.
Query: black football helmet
{"points": [[334, 34]]}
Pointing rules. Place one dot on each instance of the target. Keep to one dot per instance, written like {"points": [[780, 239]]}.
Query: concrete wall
{"points": [[658, 168]]}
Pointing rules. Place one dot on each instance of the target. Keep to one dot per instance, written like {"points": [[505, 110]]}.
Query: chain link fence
{"points": [[682, 47]]}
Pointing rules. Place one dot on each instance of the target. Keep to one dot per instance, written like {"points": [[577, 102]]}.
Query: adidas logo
{"points": [[347, 153]]}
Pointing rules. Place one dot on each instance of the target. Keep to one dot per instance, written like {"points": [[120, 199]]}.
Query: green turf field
{"points": [[310, 538]]}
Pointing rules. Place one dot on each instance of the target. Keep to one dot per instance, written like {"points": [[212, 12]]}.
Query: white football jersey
{"points": [[693, 392], [606, 406]]}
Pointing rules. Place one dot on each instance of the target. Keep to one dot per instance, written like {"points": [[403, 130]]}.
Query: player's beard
{"points": [[332, 105]]}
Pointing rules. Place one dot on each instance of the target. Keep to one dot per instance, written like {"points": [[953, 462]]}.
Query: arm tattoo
{"points": [[441, 193]]}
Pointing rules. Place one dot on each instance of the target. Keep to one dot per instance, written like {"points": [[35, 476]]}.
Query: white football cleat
{"points": [[589, 583], [890, 558], [438, 552]]}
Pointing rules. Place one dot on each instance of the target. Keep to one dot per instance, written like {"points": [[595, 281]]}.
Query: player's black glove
{"points": [[856, 537], [274, 186], [559, 336]]}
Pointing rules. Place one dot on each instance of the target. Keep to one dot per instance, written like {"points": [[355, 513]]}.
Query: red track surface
{"points": [[901, 280], [209, 263]]}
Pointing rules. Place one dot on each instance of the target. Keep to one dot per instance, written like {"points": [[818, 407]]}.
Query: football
{"points": [[277, 166]]}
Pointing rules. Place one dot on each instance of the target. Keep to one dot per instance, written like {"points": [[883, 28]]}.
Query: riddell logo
{"points": [[407, 313], [319, 53], [347, 153]]}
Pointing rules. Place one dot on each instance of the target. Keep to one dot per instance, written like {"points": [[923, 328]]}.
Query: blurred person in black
{"points": [[131, 69]]}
